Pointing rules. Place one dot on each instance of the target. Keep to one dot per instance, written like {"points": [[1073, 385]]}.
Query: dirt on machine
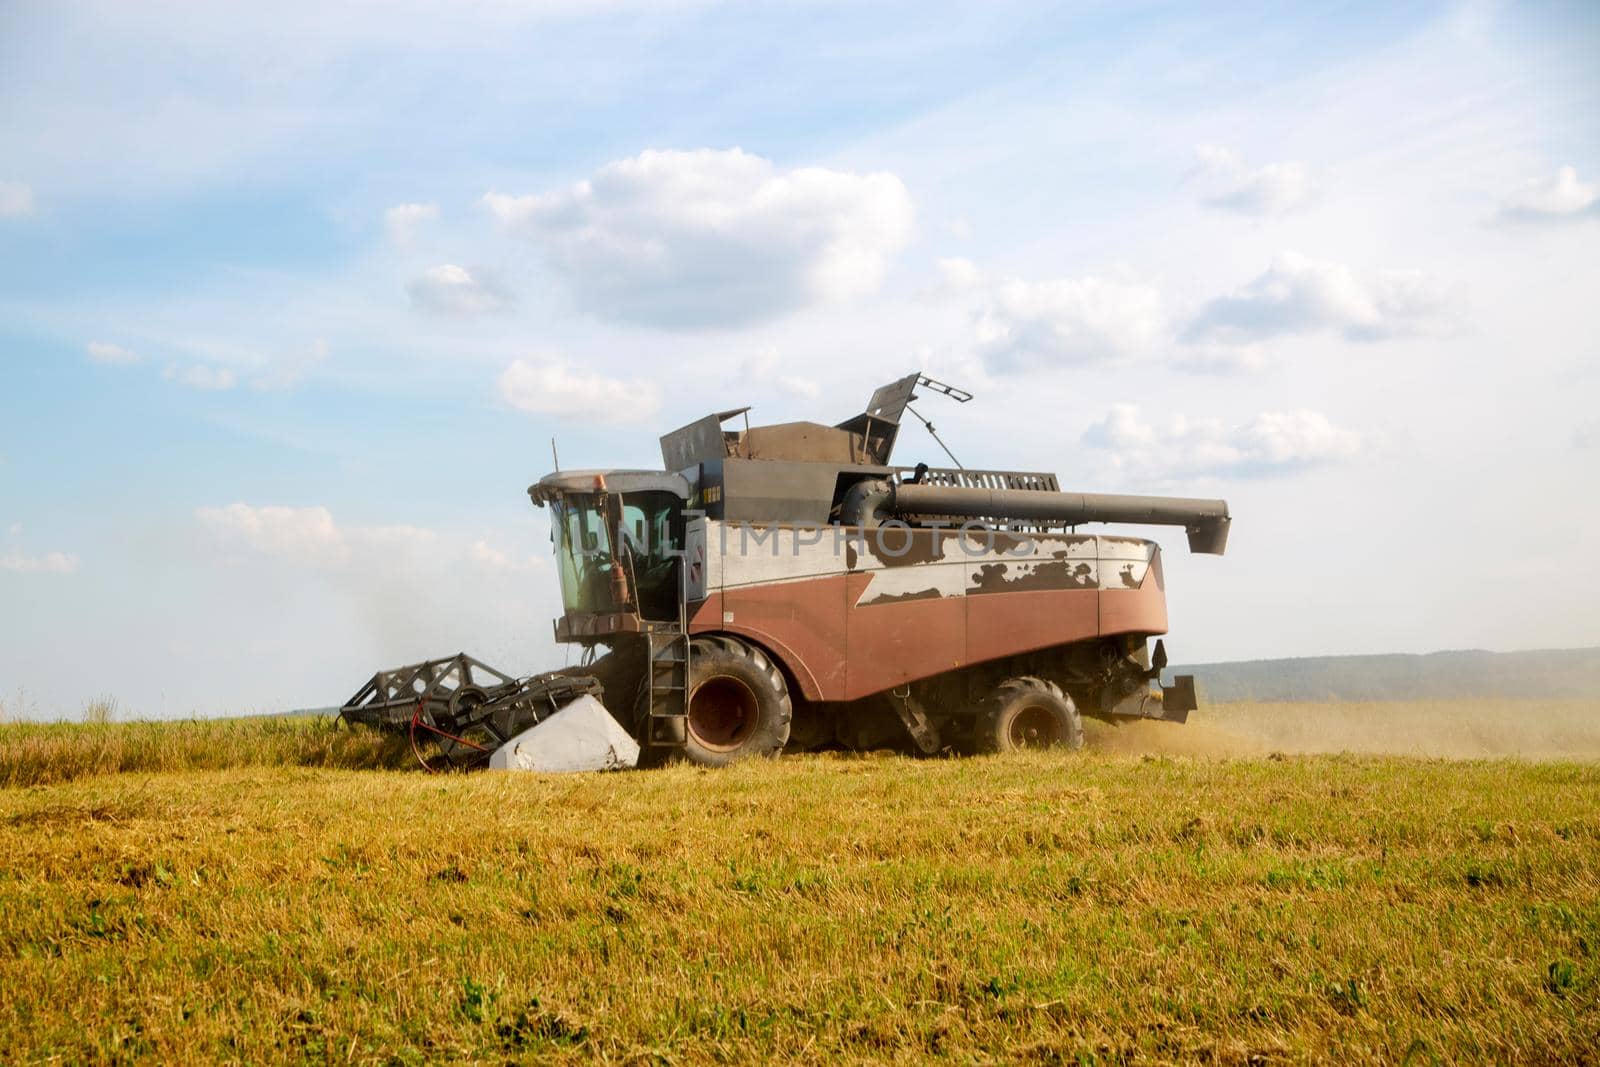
{"points": [[789, 588]]}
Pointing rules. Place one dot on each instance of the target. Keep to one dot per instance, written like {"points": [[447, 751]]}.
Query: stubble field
{"points": [[267, 891]]}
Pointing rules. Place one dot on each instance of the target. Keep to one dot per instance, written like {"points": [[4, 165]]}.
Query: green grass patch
{"points": [[1047, 908]]}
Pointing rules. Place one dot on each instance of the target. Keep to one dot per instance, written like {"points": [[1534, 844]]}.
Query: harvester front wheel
{"points": [[1025, 713], [739, 703]]}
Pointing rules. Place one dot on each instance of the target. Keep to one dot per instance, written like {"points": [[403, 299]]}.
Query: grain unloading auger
{"points": [[787, 587]]}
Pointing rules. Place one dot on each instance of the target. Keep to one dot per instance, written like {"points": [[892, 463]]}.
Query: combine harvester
{"points": [[786, 588]]}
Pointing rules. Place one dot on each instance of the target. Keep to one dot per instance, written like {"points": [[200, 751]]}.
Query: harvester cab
{"points": [[788, 587], [618, 540]]}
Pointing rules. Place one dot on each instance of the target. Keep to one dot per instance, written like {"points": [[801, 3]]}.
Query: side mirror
{"points": [[1158, 658]]}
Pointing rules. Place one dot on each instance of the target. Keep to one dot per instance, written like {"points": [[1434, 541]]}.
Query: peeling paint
{"points": [[1026, 577], [900, 598], [920, 547]]}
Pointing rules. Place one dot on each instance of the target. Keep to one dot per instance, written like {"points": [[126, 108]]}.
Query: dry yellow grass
{"points": [[42, 753], [1094, 907], [1457, 729]]}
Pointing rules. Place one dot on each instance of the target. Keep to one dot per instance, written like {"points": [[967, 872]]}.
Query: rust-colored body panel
{"points": [[802, 623], [1025, 622], [893, 644], [1133, 611]]}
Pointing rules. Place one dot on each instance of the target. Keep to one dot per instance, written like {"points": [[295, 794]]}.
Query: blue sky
{"points": [[292, 301]]}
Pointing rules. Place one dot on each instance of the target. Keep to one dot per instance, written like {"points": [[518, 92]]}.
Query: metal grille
{"points": [[1040, 481]]}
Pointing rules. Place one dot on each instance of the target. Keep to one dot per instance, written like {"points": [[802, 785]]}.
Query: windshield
{"points": [[647, 551]]}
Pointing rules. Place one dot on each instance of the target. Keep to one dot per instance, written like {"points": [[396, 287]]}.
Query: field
{"points": [[264, 891]]}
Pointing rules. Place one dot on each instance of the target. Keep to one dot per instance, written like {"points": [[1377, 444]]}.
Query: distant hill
{"points": [[308, 713], [1547, 674]]}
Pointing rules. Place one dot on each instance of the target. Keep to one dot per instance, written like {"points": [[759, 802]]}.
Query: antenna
{"points": [[553, 457]]}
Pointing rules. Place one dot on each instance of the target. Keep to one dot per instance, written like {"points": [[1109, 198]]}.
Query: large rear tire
{"points": [[1027, 713], [739, 704]]}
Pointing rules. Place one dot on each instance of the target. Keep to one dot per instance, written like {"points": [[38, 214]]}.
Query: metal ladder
{"points": [[668, 648], [669, 686]]}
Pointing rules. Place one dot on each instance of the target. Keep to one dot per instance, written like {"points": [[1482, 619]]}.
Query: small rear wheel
{"points": [[739, 703], [1027, 713]]}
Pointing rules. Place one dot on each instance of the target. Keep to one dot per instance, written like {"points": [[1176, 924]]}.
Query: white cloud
{"points": [[309, 536], [305, 535], [1121, 430], [959, 274], [1275, 189], [452, 290], [106, 352], [402, 222], [761, 367], [1023, 326], [227, 362], [1298, 295], [760, 371], [289, 369], [713, 238], [552, 389], [201, 376], [16, 200], [49, 563], [799, 386], [1270, 443], [1553, 199], [487, 556], [376, 544], [1294, 439], [1221, 359]]}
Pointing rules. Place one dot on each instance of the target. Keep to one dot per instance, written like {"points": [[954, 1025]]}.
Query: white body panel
{"points": [[737, 557]]}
